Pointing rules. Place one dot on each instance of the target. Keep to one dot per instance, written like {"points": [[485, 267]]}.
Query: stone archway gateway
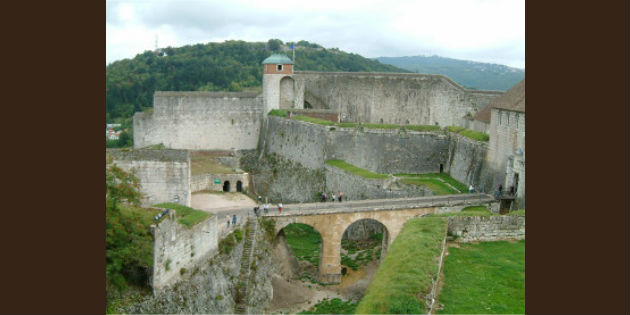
{"points": [[239, 186]]}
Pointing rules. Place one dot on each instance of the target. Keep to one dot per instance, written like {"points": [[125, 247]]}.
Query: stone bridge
{"points": [[332, 219]]}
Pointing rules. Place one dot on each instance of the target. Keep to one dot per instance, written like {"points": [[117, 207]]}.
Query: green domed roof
{"points": [[277, 59]]}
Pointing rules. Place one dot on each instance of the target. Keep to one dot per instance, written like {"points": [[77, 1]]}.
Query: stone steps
{"points": [[246, 257]]}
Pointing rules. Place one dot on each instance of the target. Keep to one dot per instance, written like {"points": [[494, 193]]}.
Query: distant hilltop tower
{"points": [[277, 82]]}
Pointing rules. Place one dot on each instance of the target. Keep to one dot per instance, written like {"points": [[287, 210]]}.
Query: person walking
{"points": [[234, 219], [280, 207], [266, 208], [228, 224], [324, 197], [471, 189], [256, 209], [333, 197], [340, 196]]}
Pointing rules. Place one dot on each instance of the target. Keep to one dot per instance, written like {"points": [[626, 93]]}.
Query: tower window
{"points": [[279, 68]]}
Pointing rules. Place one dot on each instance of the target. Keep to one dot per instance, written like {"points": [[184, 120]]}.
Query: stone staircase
{"points": [[246, 260]]}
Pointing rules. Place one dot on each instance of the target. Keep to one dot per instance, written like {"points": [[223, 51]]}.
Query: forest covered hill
{"points": [[470, 74], [227, 66]]}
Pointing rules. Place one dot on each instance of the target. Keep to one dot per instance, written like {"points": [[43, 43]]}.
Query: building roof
{"points": [[278, 59], [513, 99], [484, 114]]}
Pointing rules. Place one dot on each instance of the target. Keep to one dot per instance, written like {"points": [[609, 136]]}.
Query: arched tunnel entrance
{"points": [[363, 245], [226, 185], [239, 186], [297, 251]]}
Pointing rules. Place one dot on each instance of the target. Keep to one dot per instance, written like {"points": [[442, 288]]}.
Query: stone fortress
{"points": [[288, 157]]}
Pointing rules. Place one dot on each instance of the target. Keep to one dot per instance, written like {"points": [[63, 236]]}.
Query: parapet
{"points": [[207, 94], [397, 75], [166, 155]]}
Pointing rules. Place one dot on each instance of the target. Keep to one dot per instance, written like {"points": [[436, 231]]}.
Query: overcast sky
{"points": [[479, 30]]}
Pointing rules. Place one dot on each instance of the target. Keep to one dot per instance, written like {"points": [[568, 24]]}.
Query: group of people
{"points": [[265, 207], [333, 197]]}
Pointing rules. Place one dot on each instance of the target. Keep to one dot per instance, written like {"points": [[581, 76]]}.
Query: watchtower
{"points": [[277, 82]]}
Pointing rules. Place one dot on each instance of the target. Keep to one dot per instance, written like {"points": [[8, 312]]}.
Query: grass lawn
{"points": [[407, 270], [484, 278], [479, 136], [435, 182], [314, 120], [478, 211], [304, 241], [204, 164], [354, 170], [186, 215]]}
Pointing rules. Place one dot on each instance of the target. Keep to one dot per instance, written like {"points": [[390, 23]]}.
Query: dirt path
{"points": [[216, 202], [292, 296]]}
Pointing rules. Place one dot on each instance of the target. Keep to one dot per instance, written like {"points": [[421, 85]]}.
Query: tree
{"points": [[127, 241], [274, 45]]}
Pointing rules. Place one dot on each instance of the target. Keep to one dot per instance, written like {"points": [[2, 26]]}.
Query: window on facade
{"points": [[279, 68]]}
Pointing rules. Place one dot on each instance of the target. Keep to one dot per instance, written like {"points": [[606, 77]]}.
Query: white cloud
{"points": [[484, 30]]}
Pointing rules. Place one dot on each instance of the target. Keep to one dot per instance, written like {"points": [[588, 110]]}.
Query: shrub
{"points": [[182, 271]]}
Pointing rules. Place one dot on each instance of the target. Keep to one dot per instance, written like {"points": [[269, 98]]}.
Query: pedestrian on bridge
{"points": [[323, 197], [256, 209], [340, 196], [471, 189], [266, 208], [280, 207], [234, 219], [333, 197]]}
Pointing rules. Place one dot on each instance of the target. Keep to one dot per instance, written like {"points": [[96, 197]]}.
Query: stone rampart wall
{"points": [[418, 99], [355, 187], [298, 141], [177, 246], [200, 121], [163, 174], [466, 159], [491, 228], [389, 151]]}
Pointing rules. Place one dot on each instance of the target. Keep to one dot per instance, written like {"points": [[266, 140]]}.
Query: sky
{"points": [[479, 30]]}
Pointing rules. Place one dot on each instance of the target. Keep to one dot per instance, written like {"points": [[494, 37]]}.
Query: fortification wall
{"points": [[200, 121], [389, 151], [491, 228], [466, 159], [419, 99], [298, 141], [163, 174], [177, 246], [359, 188], [382, 151]]}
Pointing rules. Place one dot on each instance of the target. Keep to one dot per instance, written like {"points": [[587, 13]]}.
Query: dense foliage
{"points": [[128, 250], [475, 75], [227, 66]]}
